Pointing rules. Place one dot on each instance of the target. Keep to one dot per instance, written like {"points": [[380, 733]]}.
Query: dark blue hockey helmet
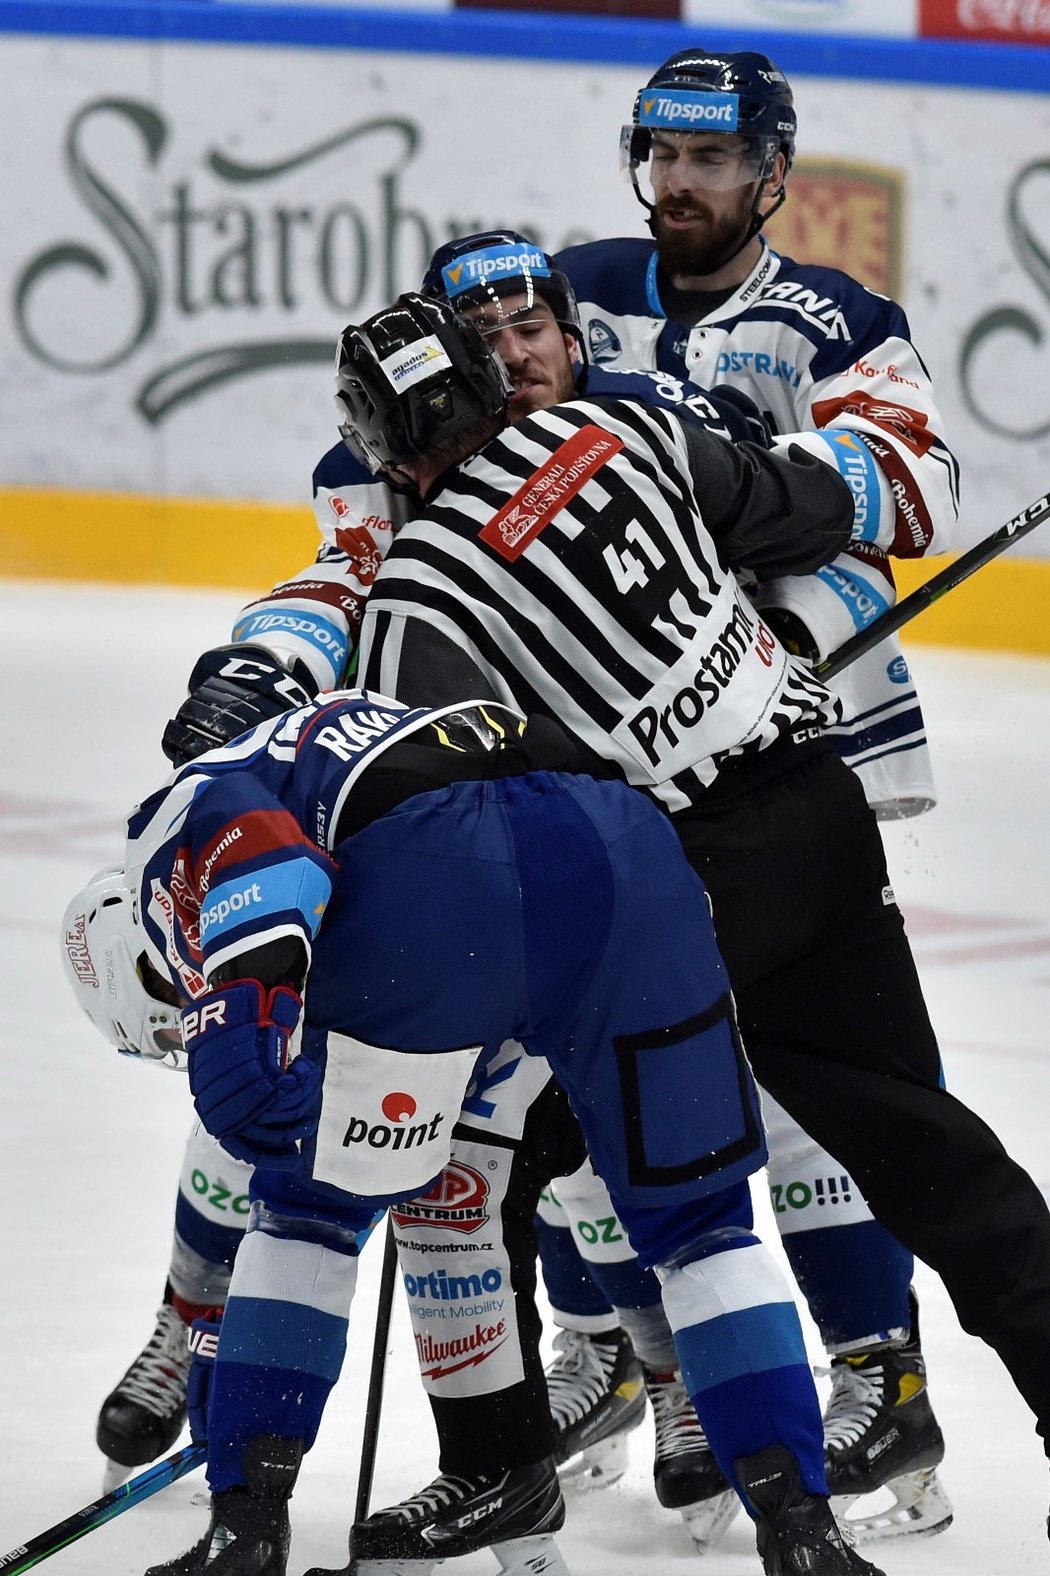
{"points": [[413, 375], [480, 269], [743, 94]]}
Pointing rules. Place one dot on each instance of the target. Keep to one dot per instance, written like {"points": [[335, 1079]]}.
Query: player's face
{"points": [[704, 189], [537, 353]]}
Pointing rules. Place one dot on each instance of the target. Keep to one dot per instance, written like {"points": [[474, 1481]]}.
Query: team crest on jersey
{"points": [[602, 343], [534, 505]]}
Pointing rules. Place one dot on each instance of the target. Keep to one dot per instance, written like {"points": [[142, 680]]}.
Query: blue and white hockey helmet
{"points": [[742, 94], [483, 268], [105, 961]]}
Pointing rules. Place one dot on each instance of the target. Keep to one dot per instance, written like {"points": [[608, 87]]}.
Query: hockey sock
{"points": [[743, 1358]]}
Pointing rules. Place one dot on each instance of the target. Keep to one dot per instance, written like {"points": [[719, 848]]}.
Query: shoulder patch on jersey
{"points": [[603, 343], [572, 465]]}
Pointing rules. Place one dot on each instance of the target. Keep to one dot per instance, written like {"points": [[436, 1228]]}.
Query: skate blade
{"points": [[116, 1474], [596, 1466], [919, 1508], [708, 1521], [384, 1568], [537, 1556]]}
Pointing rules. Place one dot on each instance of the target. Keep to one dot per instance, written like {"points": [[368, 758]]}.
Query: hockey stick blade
{"points": [[936, 587], [60, 1536]]}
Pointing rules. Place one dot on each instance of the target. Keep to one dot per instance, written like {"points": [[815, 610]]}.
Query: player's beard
{"points": [[702, 250]]}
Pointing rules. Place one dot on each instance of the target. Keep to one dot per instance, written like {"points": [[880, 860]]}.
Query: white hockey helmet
{"points": [[103, 950]]}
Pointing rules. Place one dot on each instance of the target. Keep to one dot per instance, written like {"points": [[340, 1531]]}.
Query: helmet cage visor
{"points": [[716, 165], [484, 275]]}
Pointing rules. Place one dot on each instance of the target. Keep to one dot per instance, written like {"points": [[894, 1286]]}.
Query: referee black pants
{"points": [[836, 1028]]}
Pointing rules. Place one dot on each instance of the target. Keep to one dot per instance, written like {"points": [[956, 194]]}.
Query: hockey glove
{"points": [[246, 1094], [204, 1343], [232, 689], [791, 632]]}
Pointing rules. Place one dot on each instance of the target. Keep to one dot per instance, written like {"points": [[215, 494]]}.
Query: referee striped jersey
{"points": [[569, 564]]}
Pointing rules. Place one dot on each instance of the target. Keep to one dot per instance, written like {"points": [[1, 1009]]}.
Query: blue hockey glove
{"points": [[245, 1093], [204, 1343]]}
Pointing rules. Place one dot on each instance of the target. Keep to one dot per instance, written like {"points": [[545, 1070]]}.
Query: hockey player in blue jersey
{"points": [[309, 623], [832, 366], [358, 903], [293, 642]]}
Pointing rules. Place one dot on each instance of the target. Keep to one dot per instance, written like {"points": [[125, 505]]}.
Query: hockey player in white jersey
{"points": [[832, 366]]}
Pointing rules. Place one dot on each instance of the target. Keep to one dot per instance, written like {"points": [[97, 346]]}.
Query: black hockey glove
{"points": [[231, 689], [791, 632]]}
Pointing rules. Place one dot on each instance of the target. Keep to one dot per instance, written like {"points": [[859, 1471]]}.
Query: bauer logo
{"points": [[493, 263], [671, 109]]}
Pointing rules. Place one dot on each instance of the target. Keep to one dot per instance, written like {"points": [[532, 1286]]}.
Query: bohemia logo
{"points": [[398, 1108], [457, 1201]]}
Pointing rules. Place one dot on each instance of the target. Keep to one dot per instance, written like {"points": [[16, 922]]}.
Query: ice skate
{"points": [[249, 1533], [144, 1414], [686, 1475], [597, 1395], [513, 1514], [796, 1533], [880, 1434]]}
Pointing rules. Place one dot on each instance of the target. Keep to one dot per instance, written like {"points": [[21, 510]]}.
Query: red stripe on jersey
{"points": [[349, 603], [572, 465], [252, 836], [909, 425], [913, 527]]}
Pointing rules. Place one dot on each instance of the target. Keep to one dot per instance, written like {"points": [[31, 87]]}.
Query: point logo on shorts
{"points": [[396, 1132], [457, 1201], [396, 1107]]}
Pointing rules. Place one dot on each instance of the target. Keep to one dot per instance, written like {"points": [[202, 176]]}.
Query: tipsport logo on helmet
{"points": [[414, 363], [492, 263], [674, 109]]}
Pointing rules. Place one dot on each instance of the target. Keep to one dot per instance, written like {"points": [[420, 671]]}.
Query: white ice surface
{"points": [[91, 1144]]}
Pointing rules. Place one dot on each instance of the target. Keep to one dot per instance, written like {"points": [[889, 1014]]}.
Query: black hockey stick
{"points": [[934, 588], [373, 1402], [377, 1374], [60, 1536]]}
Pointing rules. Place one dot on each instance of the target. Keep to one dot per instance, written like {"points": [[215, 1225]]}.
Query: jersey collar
{"points": [[763, 271]]}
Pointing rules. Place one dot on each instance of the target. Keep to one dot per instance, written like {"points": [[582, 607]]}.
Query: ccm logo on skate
{"points": [[200, 1019], [457, 1200], [394, 1133]]}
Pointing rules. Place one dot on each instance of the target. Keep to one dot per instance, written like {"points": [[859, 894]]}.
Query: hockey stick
{"points": [[121, 1499], [936, 587], [373, 1402], [377, 1374]]}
